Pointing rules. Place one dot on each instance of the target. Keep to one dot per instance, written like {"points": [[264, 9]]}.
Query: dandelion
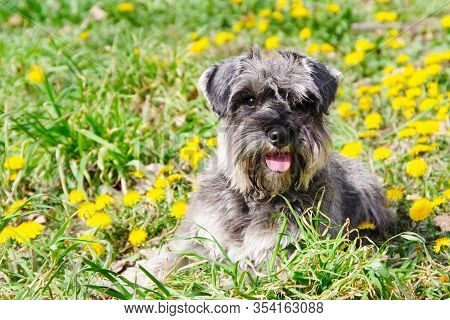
{"points": [[278, 16], [137, 236], [364, 45], [445, 21], [35, 74], [394, 194], [354, 58], [92, 244], [272, 43], [366, 225], [420, 148], [236, 1], [265, 13], [6, 233], [84, 36], [263, 25], [175, 177], [416, 168], [403, 58], [438, 201], [15, 207], [440, 243], [446, 193], [426, 127], [27, 231], [166, 169], [237, 27], [326, 48], [155, 195], [281, 4], [193, 36], [351, 149], [139, 174], [76, 196], [305, 33], [178, 209], [367, 134], [223, 37], [395, 43], [373, 121], [385, 16], [161, 183], [420, 210], [211, 142], [406, 133], [199, 46], [125, 7], [344, 110], [14, 163], [313, 48], [131, 198], [382, 153], [102, 201], [86, 209], [333, 8], [299, 11], [99, 220]]}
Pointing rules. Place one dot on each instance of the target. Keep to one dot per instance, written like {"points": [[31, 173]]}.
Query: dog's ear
{"points": [[326, 79], [215, 84]]}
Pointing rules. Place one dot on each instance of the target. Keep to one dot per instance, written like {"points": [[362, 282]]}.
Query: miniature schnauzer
{"points": [[273, 149]]}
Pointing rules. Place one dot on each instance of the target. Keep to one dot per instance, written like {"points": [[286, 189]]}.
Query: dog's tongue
{"points": [[278, 162]]}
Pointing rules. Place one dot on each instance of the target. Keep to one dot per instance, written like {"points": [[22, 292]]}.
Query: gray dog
{"points": [[273, 145]]}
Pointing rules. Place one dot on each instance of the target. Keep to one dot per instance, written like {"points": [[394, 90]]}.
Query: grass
{"points": [[125, 100]]}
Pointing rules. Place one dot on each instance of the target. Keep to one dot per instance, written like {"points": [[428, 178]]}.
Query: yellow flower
{"points": [[6, 233], [345, 111], [84, 35], [139, 174], [373, 121], [281, 4], [277, 15], [365, 103], [333, 8], [131, 198], [14, 208], [426, 127], [223, 37], [36, 74], [211, 142], [326, 48], [27, 231], [14, 163], [199, 46], [407, 132], [395, 43], [305, 33], [155, 195], [76, 196], [428, 103], [366, 225], [100, 219], [193, 36], [313, 48], [272, 43], [265, 13], [403, 58], [263, 25], [92, 244], [433, 89], [299, 11], [102, 201], [420, 148], [237, 26], [166, 169], [420, 210], [382, 153], [86, 209], [351, 149], [125, 7], [368, 134], [236, 1], [354, 58], [175, 177], [446, 193], [413, 92], [385, 16], [416, 168], [364, 45], [438, 201], [441, 242], [137, 236], [394, 194], [161, 183], [445, 21], [178, 209]]}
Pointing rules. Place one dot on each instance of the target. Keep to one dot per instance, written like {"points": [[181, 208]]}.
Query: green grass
{"points": [[126, 99]]}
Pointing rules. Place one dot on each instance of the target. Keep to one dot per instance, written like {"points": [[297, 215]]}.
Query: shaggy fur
{"points": [[239, 195]]}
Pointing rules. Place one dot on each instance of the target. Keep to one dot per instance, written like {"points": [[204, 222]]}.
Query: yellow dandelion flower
{"points": [[382, 153], [99, 220], [199, 46], [299, 11], [440, 243], [354, 58], [272, 43], [14, 163], [420, 210], [12, 176], [125, 7], [373, 121], [36, 74], [446, 193], [102, 201], [278, 16], [407, 132], [438, 201], [413, 93], [166, 169], [365, 103], [305, 33], [333, 8], [27, 231], [131, 198], [402, 58], [428, 103], [161, 183], [313, 48], [395, 43], [445, 21], [175, 177], [178, 209], [211, 142], [351, 149], [263, 25], [92, 244], [15, 207], [394, 194], [137, 236], [86, 209], [76, 196], [139, 174], [236, 1], [345, 111], [364, 45], [426, 127], [366, 225], [265, 13], [6, 233], [223, 37], [155, 195], [193, 36], [416, 168], [84, 36], [367, 134], [327, 48], [385, 16], [420, 148], [237, 26]]}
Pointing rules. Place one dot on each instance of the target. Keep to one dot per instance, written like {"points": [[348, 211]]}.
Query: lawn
{"points": [[103, 132]]}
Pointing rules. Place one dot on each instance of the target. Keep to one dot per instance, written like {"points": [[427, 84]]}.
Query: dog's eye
{"points": [[249, 101]]}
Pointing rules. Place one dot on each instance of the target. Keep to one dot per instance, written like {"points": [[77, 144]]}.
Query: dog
{"points": [[273, 145]]}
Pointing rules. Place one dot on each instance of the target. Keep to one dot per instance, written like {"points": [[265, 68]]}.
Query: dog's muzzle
{"points": [[279, 136]]}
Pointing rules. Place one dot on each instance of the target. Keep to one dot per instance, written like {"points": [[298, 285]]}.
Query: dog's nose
{"points": [[279, 136]]}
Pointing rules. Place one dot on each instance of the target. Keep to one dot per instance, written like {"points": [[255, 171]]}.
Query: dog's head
{"points": [[273, 133]]}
